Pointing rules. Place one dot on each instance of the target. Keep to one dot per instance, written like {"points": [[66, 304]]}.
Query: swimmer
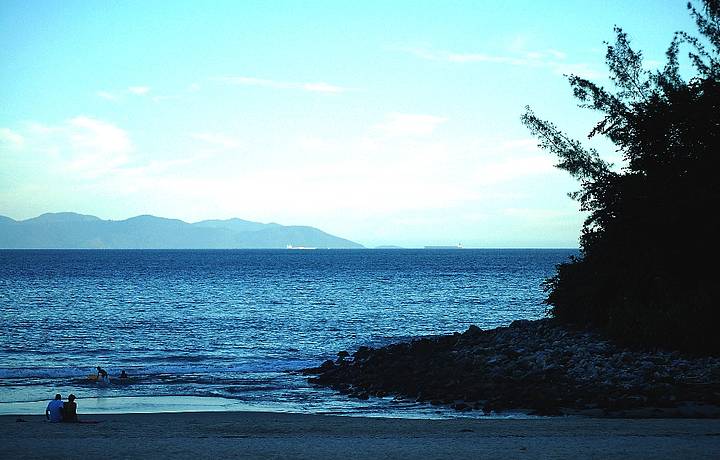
{"points": [[102, 375]]}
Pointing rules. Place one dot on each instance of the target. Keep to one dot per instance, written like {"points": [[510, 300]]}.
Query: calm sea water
{"points": [[232, 323]]}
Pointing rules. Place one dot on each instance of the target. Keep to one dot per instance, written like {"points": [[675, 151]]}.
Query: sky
{"points": [[384, 122]]}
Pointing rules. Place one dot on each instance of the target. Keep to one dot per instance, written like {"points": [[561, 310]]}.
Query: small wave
{"points": [[44, 372], [186, 358], [187, 368]]}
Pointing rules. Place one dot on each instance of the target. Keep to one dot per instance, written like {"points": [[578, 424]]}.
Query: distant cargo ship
{"points": [[458, 246]]}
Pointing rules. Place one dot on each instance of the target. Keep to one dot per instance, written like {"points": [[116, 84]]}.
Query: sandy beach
{"points": [[277, 435]]}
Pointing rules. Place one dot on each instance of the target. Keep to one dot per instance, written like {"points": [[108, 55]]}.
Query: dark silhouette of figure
{"points": [[102, 375], [54, 411], [70, 410], [123, 375]]}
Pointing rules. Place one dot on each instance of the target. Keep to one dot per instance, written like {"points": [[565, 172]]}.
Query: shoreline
{"points": [[538, 366], [132, 405], [117, 405], [274, 435]]}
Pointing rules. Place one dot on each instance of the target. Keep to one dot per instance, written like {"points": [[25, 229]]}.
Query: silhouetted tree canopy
{"points": [[647, 271]]}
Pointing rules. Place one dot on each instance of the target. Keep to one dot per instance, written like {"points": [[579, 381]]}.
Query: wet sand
{"points": [[276, 435]]}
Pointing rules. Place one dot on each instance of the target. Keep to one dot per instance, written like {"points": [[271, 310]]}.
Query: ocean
{"points": [[227, 329]]}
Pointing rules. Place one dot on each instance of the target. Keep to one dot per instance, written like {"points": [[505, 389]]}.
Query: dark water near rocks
{"points": [[231, 323]]}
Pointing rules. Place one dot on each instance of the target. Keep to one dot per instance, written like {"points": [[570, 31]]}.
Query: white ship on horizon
{"points": [[458, 246], [290, 246]]}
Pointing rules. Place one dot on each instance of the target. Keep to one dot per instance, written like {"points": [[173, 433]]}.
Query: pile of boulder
{"points": [[540, 367]]}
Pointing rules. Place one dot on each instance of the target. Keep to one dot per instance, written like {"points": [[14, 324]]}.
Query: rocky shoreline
{"points": [[539, 367]]}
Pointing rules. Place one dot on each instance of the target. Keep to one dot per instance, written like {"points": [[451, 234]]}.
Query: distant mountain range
{"points": [[67, 230]]}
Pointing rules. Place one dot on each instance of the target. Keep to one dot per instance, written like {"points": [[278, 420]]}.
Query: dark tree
{"points": [[648, 268]]}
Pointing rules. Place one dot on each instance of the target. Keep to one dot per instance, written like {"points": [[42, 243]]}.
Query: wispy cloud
{"points": [[513, 168], [551, 59], [93, 134], [107, 95], [315, 87], [165, 98], [535, 214], [323, 88], [217, 140], [406, 124], [138, 90], [95, 147], [96, 152], [10, 138], [85, 146], [120, 94], [251, 81]]}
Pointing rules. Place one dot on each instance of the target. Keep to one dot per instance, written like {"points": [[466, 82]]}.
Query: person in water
{"points": [[123, 375], [102, 375], [54, 411], [69, 413]]}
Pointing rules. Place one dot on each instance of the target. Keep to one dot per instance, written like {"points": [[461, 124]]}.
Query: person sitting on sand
{"points": [[54, 411], [69, 413]]}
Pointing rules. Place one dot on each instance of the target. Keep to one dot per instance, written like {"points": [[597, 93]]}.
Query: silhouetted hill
{"points": [[69, 230], [62, 217], [236, 225]]}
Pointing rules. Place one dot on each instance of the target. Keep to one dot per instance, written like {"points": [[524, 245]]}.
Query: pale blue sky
{"points": [[385, 122]]}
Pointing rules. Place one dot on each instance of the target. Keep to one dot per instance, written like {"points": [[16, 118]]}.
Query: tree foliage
{"points": [[647, 269]]}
